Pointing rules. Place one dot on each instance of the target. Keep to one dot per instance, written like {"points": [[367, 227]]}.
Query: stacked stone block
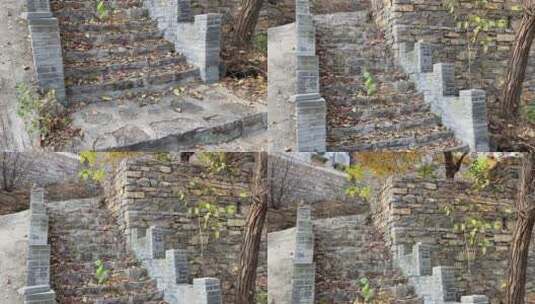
{"points": [[170, 268], [436, 285], [310, 106], [296, 248], [46, 47], [464, 112], [198, 37], [37, 290]]}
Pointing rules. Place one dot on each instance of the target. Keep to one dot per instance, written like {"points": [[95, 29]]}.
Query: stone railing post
{"points": [[208, 290], [46, 47], [208, 45], [304, 272], [155, 243], [177, 265], [475, 299], [444, 79], [422, 259], [473, 105], [445, 284], [424, 57], [37, 289]]}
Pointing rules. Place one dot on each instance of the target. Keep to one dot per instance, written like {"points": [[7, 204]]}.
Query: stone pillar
{"points": [[444, 79], [208, 46], [306, 35], [208, 290], [303, 282], [304, 272], [424, 57], [38, 265], [184, 13], [155, 243], [422, 259], [472, 119], [444, 284], [47, 53], [475, 299], [177, 266], [39, 295]]}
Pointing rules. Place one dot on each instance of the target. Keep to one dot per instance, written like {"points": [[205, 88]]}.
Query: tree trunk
{"points": [[452, 166], [253, 233], [245, 22], [525, 207], [516, 70]]}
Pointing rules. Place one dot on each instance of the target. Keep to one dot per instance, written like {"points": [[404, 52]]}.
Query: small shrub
{"points": [[101, 273], [479, 171], [260, 42], [103, 11], [42, 113], [427, 171], [528, 112], [366, 291], [261, 297], [369, 83]]}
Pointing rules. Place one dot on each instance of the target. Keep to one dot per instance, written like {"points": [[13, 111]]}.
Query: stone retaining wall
{"points": [[46, 47], [197, 37], [171, 269], [297, 105], [410, 210], [145, 192], [37, 290], [294, 180]]}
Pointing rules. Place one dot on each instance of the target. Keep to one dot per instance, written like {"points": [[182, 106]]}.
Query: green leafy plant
{"points": [[528, 112], [427, 171], [478, 26], [91, 171], [101, 273], [39, 112], [261, 297], [479, 172], [355, 175], [369, 83], [102, 9], [474, 230], [260, 42], [366, 291]]}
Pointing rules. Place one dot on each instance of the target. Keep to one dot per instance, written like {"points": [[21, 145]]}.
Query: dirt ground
{"points": [[13, 243], [15, 66]]}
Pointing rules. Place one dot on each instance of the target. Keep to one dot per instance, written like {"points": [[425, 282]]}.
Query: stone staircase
{"points": [[123, 58], [82, 232], [128, 87], [346, 249], [396, 117]]}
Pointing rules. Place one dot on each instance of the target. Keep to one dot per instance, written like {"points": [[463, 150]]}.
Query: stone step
{"points": [[58, 6], [142, 296], [94, 74], [82, 15], [131, 87], [157, 47], [430, 140], [125, 26], [105, 40]]}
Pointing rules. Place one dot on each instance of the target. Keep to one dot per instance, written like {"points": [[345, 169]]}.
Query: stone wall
{"points": [[294, 180], [37, 290], [410, 210], [197, 37], [407, 21], [145, 192], [296, 102], [46, 47]]}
